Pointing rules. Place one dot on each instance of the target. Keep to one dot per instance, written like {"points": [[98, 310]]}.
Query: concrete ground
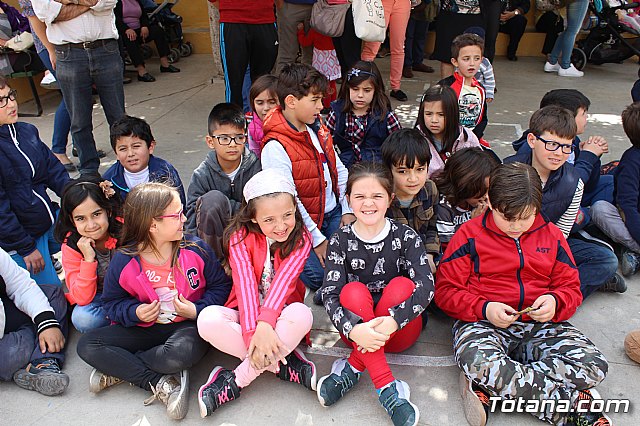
{"points": [[177, 107]]}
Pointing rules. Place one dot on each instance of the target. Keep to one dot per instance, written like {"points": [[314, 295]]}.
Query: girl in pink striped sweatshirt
{"points": [[265, 318]]}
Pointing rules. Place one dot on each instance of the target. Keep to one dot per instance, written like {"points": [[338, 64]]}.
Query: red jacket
{"points": [[482, 264], [246, 258], [306, 161]]}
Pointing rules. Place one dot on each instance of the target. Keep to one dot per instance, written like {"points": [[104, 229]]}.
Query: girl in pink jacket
{"points": [[264, 319]]}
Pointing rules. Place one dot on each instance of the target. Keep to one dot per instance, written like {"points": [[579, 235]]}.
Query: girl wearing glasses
{"points": [[88, 229], [265, 318], [156, 285]]}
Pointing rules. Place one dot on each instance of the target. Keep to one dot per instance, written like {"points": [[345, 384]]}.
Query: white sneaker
{"points": [[549, 67], [49, 81], [570, 72]]}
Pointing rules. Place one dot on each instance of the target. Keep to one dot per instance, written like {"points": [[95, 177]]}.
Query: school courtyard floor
{"points": [[177, 106]]}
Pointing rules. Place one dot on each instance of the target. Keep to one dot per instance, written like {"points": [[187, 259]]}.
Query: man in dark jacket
{"points": [[513, 22]]}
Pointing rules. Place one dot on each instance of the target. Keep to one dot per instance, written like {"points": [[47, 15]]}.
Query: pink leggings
{"points": [[220, 326], [396, 16], [356, 297]]}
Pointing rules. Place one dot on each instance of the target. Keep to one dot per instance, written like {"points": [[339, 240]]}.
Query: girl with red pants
{"points": [[377, 284]]}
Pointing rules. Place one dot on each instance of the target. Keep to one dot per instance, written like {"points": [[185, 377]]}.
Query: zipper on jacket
{"points": [[518, 274], [12, 132]]}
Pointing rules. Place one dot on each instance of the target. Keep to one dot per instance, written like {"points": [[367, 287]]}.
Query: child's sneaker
{"points": [[475, 402], [615, 284], [98, 381], [298, 370], [220, 388], [42, 375], [172, 394], [395, 399], [333, 387], [588, 418], [630, 263]]}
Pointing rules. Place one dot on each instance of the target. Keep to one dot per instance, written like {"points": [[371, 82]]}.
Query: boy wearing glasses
{"points": [[552, 130], [133, 144], [215, 191]]}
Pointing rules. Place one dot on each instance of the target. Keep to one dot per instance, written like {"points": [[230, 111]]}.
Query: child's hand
{"points": [[300, 26], [546, 305], [184, 307], [432, 264], [34, 262], [86, 246], [321, 251], [596, 144], [388, 326], [266, 348], [367, 338], [148, 312], [479, 209], [51, 340], [489, 100], [500, 314], [347, 219]]}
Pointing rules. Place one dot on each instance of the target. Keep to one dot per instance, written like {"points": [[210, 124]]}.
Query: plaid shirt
{"points": [[420, 215], [355, 127]]}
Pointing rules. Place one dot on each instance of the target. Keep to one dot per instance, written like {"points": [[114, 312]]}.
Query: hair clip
{"points": [[107, 188], [355, 72]]}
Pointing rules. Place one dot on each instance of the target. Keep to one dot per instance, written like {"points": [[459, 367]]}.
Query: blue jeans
{"points": [[76, 71], [313, 273], [61, 121], [602, 191], [596, 264], [88, 317], [576, 11], [46, 245], [414, 42]]}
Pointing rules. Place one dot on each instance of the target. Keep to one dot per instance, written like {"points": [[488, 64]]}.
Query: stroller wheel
{"points": [[578, 58], [186, 49], [174, 55], [147, 52]]}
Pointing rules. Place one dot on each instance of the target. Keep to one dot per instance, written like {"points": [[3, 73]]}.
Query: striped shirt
{"points": [[566, 221]]}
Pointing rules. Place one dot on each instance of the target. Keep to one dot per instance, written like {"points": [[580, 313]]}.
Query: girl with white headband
{"points": [[263, 321]]}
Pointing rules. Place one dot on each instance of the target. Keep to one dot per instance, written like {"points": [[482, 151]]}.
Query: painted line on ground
{"points": [[395, 359]]}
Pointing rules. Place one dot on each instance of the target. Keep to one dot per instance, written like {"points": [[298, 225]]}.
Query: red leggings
{"points": [[355, 297]]}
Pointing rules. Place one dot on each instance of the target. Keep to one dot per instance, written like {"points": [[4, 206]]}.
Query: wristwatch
{"points": [[517, 11]]}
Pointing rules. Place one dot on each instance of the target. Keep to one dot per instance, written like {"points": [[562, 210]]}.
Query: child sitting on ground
{"points": [[552, 131], [463, 186], [88, 227], [376, 288], [133, 144], [33, 328], [27, 169], [406, 155], [265, 318], [301, 147], [215, 191], [509, 279], [263, 98], [621, 222]]}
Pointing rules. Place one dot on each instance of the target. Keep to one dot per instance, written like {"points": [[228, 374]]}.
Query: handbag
{"points": [[547, 5], [368, 19], [20, 42], [327, 17]]}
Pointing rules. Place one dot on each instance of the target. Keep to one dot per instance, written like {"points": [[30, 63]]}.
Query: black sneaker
{"points": [[630, 263], [317, 298], [170, 69], [399, 95], [475, 401], [588, 418], [395, 399], [219, 389], [298, 370], [42, 375], [333, 387], [615, 284]]}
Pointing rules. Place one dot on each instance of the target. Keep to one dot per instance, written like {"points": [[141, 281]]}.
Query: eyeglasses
{"points": [[174, 216], [226, 139], [553, 146], [4, 100]]}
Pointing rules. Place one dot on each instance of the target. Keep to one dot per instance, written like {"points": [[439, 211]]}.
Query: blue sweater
{"points": [[159, 171], [627, 190], [27, 169]]}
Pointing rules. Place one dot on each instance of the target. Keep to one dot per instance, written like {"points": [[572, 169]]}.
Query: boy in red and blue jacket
{"points": [[509, 279]]}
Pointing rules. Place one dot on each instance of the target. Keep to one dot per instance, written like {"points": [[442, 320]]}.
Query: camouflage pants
{"points": [[529, 360]]}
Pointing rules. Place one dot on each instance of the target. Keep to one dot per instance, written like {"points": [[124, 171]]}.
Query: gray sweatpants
{"points": [[607, 217]]}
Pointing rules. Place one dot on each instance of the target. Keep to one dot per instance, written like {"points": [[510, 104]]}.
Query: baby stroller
{"points": [[171, 23], [606, 42]]}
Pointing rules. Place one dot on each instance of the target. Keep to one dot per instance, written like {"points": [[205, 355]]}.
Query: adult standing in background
{"points": [[290, 13], [559, 60], [490, 10], [248, 37], [348, 46]]}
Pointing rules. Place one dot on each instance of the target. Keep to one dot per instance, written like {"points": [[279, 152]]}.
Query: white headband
{"points": [[268, 181]]}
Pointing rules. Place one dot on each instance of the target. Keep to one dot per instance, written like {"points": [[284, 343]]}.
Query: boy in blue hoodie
{"points": [[133, 144]]}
